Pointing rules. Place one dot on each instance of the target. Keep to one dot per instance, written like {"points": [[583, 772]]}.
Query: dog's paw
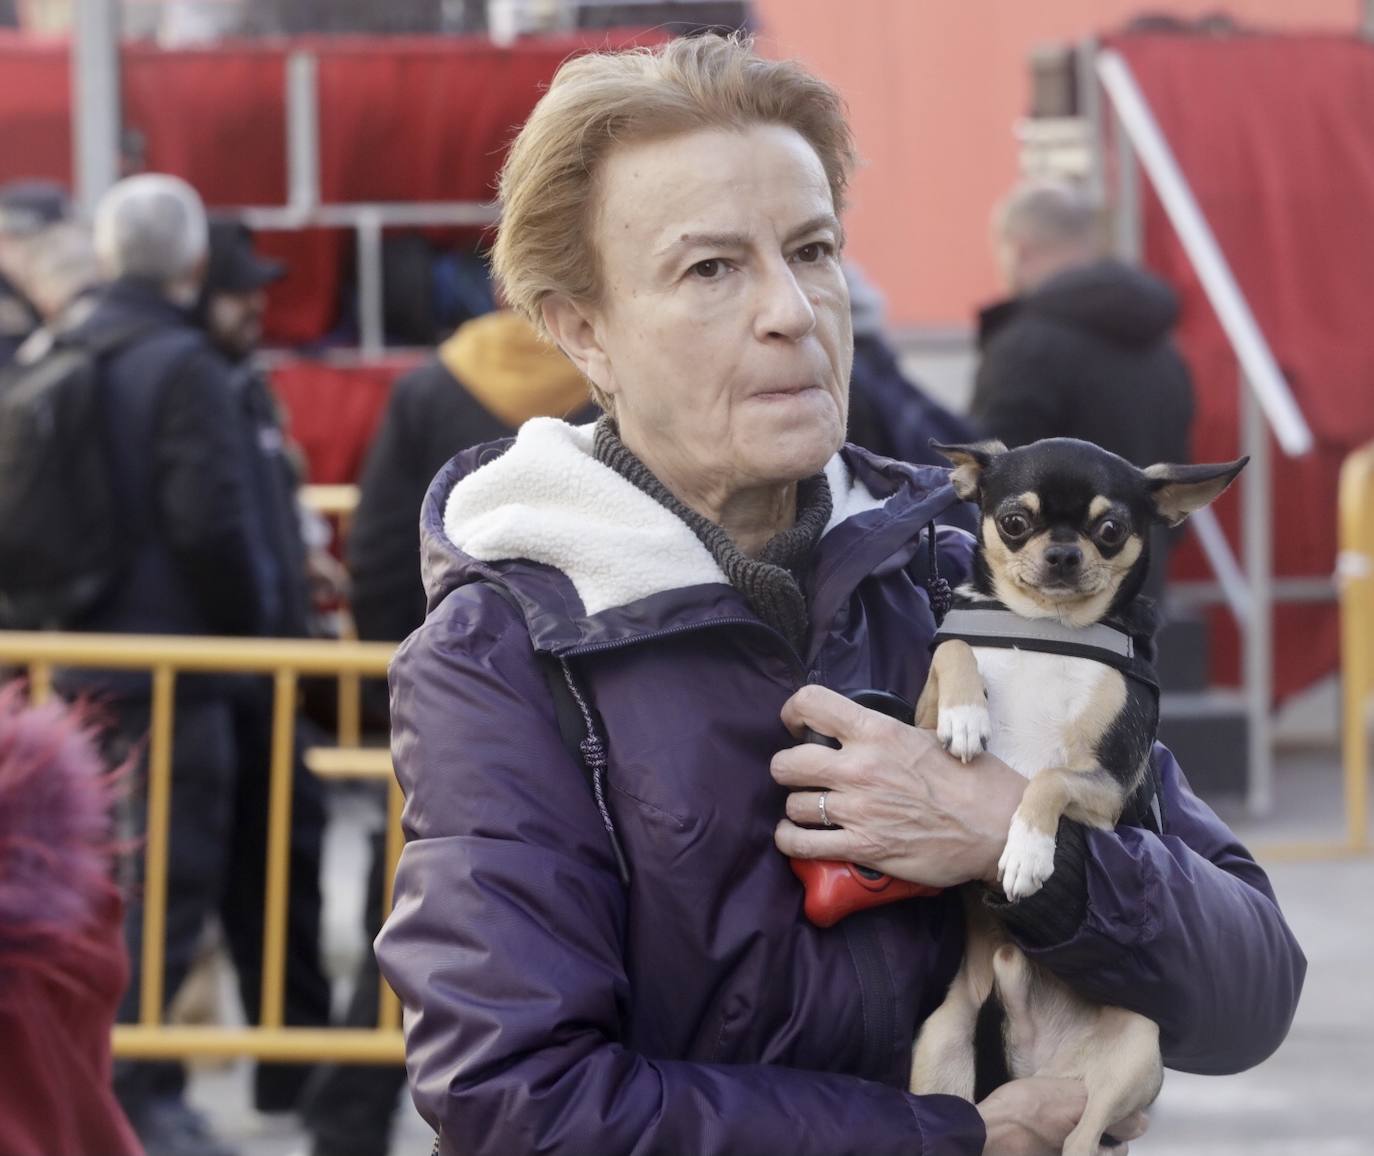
{"points": [[1027, 861], [965, 730]]}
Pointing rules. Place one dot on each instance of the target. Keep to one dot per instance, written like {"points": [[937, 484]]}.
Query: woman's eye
{"points": [[1111, 533], [1014, 525], [710, 269], [810, 254]]}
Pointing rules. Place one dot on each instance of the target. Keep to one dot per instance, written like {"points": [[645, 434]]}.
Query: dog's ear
{"points": [[1178, 491], [969, 463]]}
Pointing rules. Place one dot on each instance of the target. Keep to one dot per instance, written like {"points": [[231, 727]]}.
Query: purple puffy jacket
{"points": [[552, 1009]]}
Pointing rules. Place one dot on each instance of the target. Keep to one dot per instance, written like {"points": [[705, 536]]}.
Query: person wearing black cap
{"points": [[180, 484], [27, 209], [231, 306]]}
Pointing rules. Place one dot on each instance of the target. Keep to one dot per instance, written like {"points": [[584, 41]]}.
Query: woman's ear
{"points": [[575, 331]]}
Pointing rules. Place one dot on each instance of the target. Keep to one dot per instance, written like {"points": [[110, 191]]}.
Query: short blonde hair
{"points": [[549, 182]]}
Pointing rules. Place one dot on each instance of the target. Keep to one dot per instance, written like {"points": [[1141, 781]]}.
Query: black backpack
{"points": [[61, 543]]}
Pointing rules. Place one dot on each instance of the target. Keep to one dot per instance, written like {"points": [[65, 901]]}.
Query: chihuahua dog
{"points": [[1044, 661]]}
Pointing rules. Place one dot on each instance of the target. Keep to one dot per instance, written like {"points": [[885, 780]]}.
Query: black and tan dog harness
{"points": [[992, 624]]}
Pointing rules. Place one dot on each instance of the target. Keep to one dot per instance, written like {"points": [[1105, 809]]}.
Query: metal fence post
{"points": [[1128, 220], [302, 133], [96, 111], [371, 316], [1258, 639]]}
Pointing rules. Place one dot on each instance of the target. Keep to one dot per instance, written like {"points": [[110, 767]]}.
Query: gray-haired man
{"points": [[180, 476]]}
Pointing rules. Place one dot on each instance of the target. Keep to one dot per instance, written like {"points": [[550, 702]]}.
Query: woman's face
{"points": [[724, 333]]}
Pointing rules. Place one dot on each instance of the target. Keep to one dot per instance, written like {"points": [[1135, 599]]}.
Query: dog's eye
{"points": [[1110, 532], [1014, 525]]}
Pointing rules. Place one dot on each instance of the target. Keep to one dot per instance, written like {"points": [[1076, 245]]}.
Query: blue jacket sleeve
{"points": [[1182, 927], [505, 945]]}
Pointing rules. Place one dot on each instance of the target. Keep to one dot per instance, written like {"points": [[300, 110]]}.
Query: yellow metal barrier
{"points": [[165, 657], [1355, 576], [1355, 571], [331, 501]]}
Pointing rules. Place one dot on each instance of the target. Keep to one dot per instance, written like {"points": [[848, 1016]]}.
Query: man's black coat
{"points": [[1087, 355]]}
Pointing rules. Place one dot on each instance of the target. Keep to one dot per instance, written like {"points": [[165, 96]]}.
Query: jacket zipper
{"points": [[877, 994]]}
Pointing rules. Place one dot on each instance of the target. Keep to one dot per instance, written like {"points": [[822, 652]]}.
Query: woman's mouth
{"points": [[784, 392]]}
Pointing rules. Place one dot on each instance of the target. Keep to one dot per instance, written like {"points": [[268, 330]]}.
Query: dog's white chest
{"points": [[1038, 703]]}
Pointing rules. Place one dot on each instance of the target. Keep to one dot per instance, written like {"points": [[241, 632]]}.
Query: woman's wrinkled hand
{"points": [[899, 802], [1033, 1117]]}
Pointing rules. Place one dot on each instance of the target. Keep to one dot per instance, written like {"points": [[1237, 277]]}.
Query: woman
{"points": [[627, 968]]}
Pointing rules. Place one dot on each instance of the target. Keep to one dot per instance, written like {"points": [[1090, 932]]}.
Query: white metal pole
{"points": [[302, 133], [371, 316], [1261, 370], [1258, 636], [1128, 218], [1223, 562], [95, 104], [1090, 109]]}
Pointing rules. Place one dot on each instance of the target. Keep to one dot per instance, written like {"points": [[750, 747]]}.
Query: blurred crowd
{"points": [[145, 326], [182, 22]]}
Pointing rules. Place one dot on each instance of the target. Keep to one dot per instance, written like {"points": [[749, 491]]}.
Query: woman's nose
{"points": [[784, 310]]}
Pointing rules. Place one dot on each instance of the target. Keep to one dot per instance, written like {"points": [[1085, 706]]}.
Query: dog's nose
{"points": [[1063, 561]]}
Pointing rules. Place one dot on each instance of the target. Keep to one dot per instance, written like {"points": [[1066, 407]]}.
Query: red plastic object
{"points": [[834, 889]]}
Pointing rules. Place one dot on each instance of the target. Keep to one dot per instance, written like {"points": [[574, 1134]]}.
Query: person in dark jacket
{"points": [[182, 480], [624, 966], [232, 301], [485, 381], [889, 414], [27, 210], [62, 278], [1081, 348]]}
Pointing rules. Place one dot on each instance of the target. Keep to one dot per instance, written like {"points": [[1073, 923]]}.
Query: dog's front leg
{"points": [[955, 700], [1090, 795]]}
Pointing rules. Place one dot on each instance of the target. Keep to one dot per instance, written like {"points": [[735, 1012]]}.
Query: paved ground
{"points": [[1313, 1098]]}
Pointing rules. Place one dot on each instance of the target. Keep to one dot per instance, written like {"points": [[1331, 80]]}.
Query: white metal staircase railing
{"points": [[1266, 401]]}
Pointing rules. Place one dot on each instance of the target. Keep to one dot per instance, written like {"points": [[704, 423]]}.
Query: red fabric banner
{"points": [[1273, 133], [400, 120], [334, 411]]}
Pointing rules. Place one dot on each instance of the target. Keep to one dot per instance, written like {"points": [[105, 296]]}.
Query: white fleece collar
{"points": [[548, 500]]}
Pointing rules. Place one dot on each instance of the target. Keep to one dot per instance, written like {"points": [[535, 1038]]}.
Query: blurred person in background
{"points": [[231, 306], [182, 477], [1081, 347], [484, 382], [63, 965], [27, 209], [62, 278], [889, 414]]}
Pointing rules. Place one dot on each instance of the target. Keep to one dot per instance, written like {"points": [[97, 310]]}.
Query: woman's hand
{"points": [[901, 804], [1033, 1117]]}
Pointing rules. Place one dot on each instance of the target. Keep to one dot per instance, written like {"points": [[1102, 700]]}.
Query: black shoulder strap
{"points": [[105, 340]]}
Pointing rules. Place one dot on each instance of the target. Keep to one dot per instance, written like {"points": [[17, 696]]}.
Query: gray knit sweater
{"points": [[771, 583]]}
